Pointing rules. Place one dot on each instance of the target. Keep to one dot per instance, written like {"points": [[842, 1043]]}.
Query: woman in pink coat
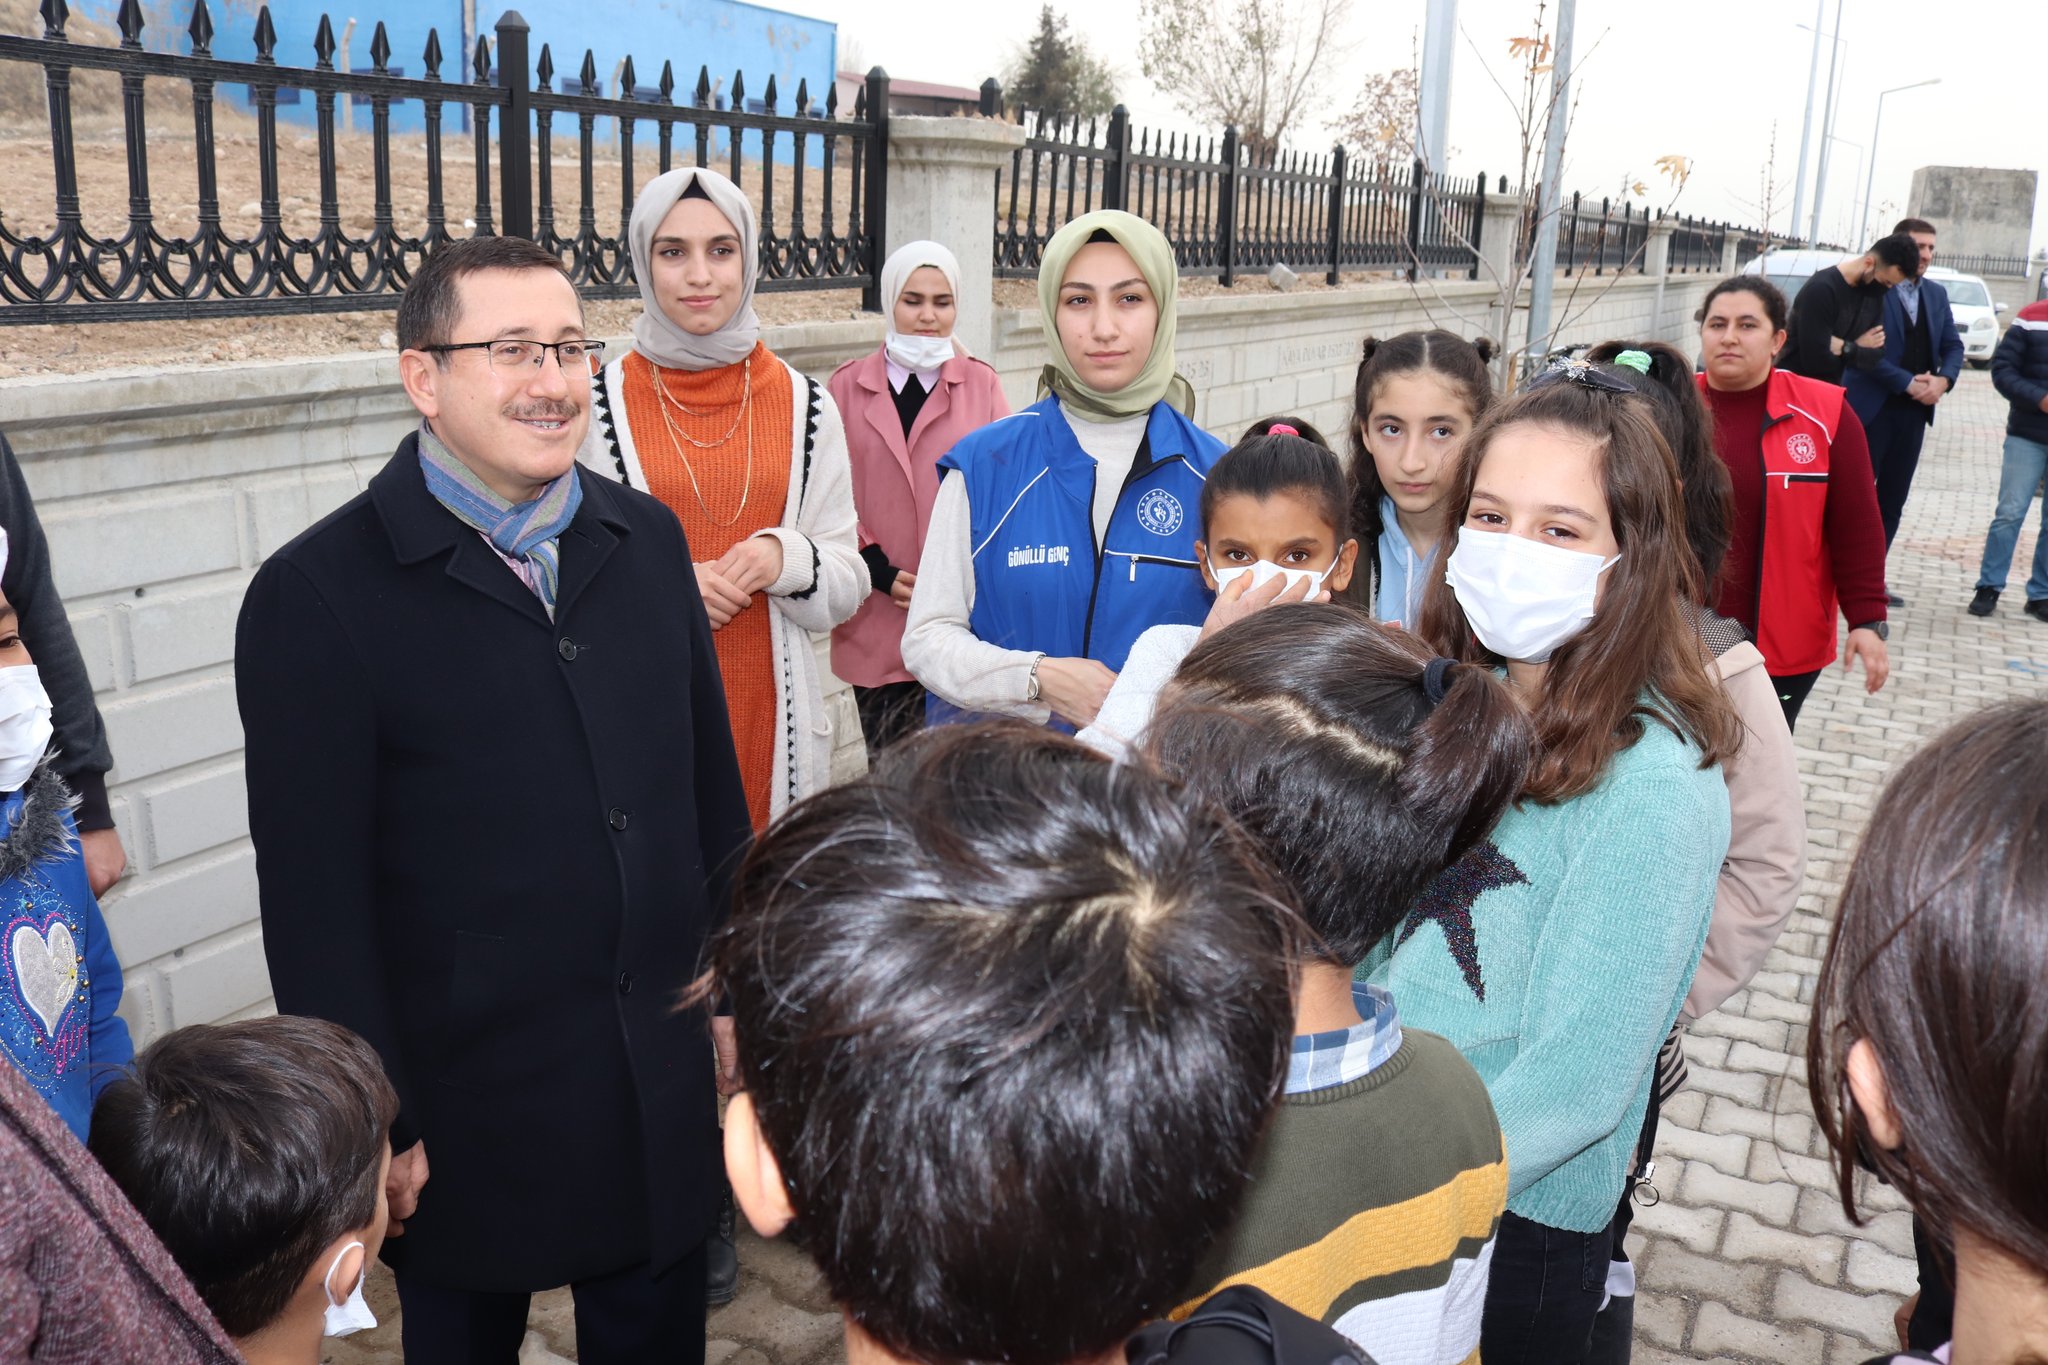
{"points": [[904, 407]]}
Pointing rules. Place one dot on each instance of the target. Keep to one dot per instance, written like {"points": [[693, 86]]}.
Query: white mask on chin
{"points": [[1523, 599], [919, 353]]}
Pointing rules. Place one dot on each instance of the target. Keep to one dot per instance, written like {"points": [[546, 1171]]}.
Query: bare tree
{"points": [[1769, 201], [1382, 124], [1526, 92], [1256, 64]]}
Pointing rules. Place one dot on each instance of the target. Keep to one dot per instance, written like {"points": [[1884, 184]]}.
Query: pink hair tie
{"points": [[1282, 429]]}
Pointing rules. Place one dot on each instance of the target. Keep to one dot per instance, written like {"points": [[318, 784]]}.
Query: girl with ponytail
{"points": [[1363, 767]]}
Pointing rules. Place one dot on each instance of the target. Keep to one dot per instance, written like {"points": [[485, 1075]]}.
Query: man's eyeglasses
{"points": [[572, 356]]}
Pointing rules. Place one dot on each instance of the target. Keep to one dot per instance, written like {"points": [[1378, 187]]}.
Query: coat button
{"points": [[625, 983], [616, 818], [567, 648]]}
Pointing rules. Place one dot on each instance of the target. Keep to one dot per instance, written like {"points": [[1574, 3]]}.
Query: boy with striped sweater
{"points": [[1363, 768]]}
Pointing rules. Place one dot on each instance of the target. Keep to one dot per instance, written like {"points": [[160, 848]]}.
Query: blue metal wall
{"points": [[723, 35]]}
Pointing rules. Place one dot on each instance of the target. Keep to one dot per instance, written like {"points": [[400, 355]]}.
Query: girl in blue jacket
{"points": [[57, 1020], [1063, 531]]}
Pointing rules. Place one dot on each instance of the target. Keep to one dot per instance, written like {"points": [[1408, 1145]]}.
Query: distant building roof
{"points": [[919, 89]]}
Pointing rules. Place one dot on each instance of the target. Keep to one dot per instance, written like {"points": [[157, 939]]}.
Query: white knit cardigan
{"points": [[823, 579]]}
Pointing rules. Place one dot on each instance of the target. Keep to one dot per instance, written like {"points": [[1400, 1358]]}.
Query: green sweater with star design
{"points": [[1556, 956]]}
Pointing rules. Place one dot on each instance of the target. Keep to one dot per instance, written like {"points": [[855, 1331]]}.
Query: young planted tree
{"points": [[1054, 72], [1261, 65], [1528, 93], [1382, 124]]}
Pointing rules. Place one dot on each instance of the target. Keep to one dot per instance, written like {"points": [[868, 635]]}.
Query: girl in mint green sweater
{"points": [[1556, 955]]}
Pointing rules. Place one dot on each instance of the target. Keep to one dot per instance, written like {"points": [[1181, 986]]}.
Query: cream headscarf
{"points": [[655, 335], [903, 262], [1156, 381]]}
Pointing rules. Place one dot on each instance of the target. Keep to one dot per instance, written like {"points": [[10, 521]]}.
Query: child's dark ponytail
{"points": [[1363, 766], [1469, 756]]}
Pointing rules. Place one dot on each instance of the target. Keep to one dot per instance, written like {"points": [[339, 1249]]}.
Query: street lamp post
{"points": [[1863, 220], [1806, 125]]}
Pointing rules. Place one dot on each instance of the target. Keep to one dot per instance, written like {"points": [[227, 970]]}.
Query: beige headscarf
{"points": [[655, 335], [1154, 257]]}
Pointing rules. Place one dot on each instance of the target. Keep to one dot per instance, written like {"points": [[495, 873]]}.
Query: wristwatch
{"points": [[1031, 686], [1881, 629]]}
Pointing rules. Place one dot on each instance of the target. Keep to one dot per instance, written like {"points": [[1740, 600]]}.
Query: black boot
{"points": [[722, 1258]]}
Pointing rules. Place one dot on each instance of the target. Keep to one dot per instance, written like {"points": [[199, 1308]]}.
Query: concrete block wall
{"points": [[162, 492]]}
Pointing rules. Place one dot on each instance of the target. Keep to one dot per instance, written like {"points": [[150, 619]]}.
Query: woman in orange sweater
{"points": [[751, 457]]}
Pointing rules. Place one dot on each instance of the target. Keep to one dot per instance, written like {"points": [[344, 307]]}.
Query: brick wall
{"points": [[162, 492]]}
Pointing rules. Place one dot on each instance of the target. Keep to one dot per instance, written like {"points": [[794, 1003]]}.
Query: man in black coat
{"points": [[495, 807]]}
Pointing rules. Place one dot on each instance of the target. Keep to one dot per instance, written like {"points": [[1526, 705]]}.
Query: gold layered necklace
{"points": [[683, 438]]}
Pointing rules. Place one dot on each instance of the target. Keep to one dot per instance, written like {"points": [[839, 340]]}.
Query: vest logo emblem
{"points": [[1801, 448], [1160, 512]]}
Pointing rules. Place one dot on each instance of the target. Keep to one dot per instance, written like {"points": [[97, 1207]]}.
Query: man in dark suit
{"points": [[495, 807], [1923, 354]]}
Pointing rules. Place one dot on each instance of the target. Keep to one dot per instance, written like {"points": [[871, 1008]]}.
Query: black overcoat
{"points": [[493, 844]]}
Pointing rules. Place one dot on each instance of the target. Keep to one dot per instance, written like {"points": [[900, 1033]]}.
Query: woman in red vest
{"points": [[1806, 533]]}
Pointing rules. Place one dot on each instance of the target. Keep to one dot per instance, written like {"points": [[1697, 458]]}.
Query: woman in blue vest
{"points": [[1063, 532]]}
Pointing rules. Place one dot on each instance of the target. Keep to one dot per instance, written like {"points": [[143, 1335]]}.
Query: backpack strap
{"points": [[1243, 1326]]}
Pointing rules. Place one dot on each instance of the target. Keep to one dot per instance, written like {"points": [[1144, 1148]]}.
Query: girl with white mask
{"points": [[905, 405], [1556, 955], [57, 1023]]}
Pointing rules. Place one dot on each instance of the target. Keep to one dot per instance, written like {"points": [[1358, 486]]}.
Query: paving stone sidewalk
{"points": [[1748, 1258]]}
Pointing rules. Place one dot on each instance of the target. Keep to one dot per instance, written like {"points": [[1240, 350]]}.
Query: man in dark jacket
{"points": [[80, 743], [2019, 371], [1923, 354], [495, 807], [1838, 319]]}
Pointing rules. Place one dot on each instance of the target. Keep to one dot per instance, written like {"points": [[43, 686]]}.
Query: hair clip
{"points": [[1639, 361], [1584, 373], [1282, 429]]}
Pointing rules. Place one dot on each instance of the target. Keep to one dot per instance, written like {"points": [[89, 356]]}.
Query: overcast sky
{"points": [[1705, 80]]}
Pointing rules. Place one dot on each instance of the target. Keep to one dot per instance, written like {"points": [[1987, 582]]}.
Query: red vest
{"points": [[1795, 610]]}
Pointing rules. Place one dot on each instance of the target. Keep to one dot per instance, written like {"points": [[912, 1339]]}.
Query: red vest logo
{"points": [[1801, 448]]}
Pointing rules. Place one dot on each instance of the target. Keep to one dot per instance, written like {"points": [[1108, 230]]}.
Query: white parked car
{"points": [[1976, 314], [1969, 297]]}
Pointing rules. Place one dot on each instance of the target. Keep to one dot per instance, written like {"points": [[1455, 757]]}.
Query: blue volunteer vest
{"points": [[1038, 582]]}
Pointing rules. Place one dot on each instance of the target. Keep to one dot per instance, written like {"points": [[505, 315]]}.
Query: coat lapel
{"points": [[421, 528], [935, 405], [881, 411], [587, 544]]}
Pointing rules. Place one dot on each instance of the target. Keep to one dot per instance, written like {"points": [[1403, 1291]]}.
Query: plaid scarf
{"points": [[528, 532]]}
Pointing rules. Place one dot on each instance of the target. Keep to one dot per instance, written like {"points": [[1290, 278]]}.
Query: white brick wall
{"points": [[162, 492]]}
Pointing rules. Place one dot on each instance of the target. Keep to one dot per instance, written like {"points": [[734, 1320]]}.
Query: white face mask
{"points": [[24, 724], [919, 353], [1264, 571], [351, 1314], [1523, 599]]}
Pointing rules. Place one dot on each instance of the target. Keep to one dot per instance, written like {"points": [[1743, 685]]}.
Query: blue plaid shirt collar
{"points": [[1909, 295], [1321, 1060]]}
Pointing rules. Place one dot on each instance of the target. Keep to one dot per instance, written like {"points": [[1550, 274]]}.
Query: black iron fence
{"points": [[817, 177], [1990, 265], [1229, 208]]}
